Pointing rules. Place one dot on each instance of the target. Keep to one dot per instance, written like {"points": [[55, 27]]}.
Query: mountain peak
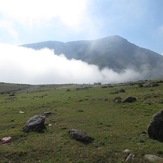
{"points": [[115, 38], [114, 52]]}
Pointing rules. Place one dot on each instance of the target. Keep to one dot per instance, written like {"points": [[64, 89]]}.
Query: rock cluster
{"points": [[148, 84]]}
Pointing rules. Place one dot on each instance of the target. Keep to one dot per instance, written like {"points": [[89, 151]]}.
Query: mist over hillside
{"points": [[114, 52]]}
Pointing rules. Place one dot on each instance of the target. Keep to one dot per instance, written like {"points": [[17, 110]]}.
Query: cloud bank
{"points": [[28, 66]]}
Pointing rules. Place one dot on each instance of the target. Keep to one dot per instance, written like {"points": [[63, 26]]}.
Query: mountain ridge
{"points": [[113, 52]]}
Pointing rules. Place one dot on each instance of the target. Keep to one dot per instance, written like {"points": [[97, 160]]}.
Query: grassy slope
{"points": [[115, 127]]}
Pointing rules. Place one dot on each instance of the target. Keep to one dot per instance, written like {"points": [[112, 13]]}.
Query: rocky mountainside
{"points": [[113, 52]]}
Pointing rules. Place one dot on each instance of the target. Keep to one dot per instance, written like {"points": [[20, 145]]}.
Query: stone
{"points": [[129, 99], [80, 136], [126, 151], [153, 158], [21, 112], [144, 134], [35, 123], [155, 128], [117, 100], [130, 157], [47, 113], [121, 91], [148, 102]]}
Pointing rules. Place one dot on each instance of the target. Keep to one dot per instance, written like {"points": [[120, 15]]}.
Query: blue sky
{"points": [[27, 21]]}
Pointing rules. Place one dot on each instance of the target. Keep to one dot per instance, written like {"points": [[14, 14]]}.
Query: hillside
{"points": [[113, 52], [118, 129]]}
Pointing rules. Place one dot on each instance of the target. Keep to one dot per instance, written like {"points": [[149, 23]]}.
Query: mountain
{"points": [[113, 52]]}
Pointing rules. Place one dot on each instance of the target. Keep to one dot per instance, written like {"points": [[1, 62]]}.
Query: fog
{"points": [[27, 66]]}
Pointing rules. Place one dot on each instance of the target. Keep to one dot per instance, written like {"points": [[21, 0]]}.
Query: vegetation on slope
{"points": [[89, 108]]}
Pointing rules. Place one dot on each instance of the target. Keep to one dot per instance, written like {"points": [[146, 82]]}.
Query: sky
{"points": [[29, 21]]}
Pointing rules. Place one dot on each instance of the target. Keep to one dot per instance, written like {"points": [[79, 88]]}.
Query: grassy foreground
{"points": [[90, 108]]}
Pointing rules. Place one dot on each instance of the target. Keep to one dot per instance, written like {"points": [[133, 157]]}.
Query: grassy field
{"points": [[90, 108]]}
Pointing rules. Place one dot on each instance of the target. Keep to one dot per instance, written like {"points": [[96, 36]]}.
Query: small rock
{"points": [[130, 157], [126, 151], [153, 158], [104, 86], [148, 102], [47, 113], [80, 136], [144, 134], [21, 112], [117, 100], [129, 99], [121, 91]]}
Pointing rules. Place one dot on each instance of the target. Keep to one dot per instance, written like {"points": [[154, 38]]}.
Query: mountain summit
{"points": [[113, 52]]}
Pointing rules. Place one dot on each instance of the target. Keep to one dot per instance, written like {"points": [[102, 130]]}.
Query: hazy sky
{"points": [[27, 21]]}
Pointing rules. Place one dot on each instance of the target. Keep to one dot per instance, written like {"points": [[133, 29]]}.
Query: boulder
{"points": [[35, 123], [129, 99], [80, 136], [155, 128]]}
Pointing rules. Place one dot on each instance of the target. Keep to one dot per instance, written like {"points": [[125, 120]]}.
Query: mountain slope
{"points": [[113, 52]]}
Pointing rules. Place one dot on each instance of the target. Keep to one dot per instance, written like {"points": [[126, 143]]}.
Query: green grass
{"points": [[115, 127]]}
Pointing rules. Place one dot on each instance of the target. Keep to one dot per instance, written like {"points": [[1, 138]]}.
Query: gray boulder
{"points": [[35, 123], [155, 129], [80, 136]]}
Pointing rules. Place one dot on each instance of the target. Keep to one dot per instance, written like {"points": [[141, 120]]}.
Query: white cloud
{"points": [[6, 25], [69, 12], [23, 65]]}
